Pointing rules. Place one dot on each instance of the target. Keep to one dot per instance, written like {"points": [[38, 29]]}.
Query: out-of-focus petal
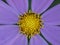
{"points": [[52, 16], [7, 32], [20, 5], [6, 15], [22, 40], [7, 7], [37, 40], [52, 34], [40, 6]]}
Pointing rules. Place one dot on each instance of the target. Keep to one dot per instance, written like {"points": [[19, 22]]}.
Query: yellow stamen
{"points": [[30, 24]]}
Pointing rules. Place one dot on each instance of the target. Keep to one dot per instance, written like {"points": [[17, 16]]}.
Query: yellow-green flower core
{"points": [[30, 24]]}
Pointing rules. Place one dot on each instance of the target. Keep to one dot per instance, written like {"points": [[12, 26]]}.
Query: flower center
{"points": [[30, 24]]}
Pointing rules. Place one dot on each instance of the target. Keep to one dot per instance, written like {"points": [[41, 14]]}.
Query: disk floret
{"points": [[30, 24]]}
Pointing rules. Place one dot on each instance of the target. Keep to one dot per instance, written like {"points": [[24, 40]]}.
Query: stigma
{"points": [[30, 24]]}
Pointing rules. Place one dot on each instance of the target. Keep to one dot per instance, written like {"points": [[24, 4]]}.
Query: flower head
{"points": [[18, 23]]}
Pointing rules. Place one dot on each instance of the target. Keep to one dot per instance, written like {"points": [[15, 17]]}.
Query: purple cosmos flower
{"points": [[9, 16]]}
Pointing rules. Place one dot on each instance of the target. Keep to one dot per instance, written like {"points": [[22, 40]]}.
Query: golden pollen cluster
{"points": [[30, 24]]}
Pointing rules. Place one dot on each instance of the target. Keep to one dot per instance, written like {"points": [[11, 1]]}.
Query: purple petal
{"points": [[37, 40], [52, 34], [40, 6], [52, 16], [7, 16], [22, 40], [20, 5], [8, 7], [7, 32]]}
